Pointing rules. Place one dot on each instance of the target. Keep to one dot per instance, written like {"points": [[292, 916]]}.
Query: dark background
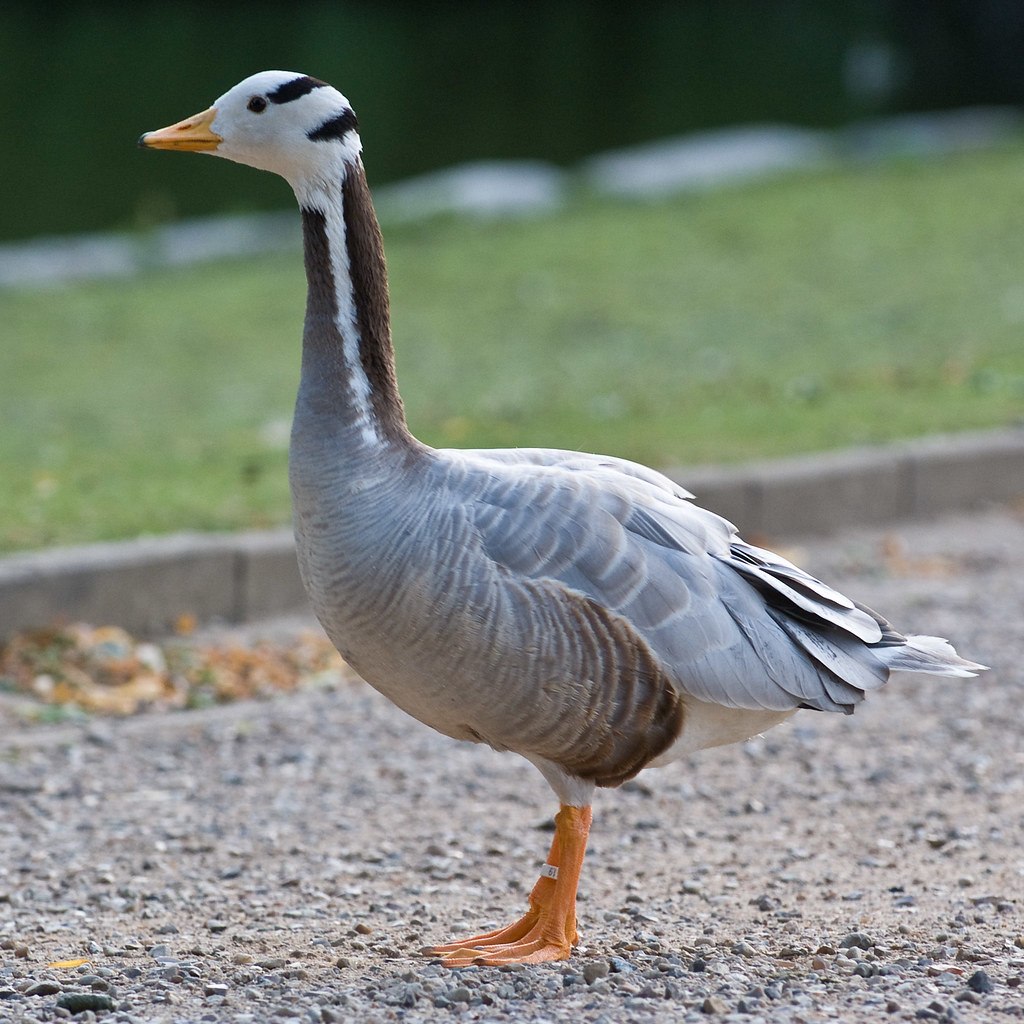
{"points": [[435, 84]]}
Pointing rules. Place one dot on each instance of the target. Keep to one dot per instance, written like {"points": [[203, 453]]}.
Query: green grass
{"points": [[808, 313]]}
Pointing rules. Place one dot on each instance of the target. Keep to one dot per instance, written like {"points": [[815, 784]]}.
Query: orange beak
{"points": [[194, 135]]}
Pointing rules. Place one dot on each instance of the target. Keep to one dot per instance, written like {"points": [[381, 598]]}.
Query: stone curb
{"points": [[146, 585]]}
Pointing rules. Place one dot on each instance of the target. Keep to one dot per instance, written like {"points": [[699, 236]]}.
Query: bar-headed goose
{"points": [[577, 609]]}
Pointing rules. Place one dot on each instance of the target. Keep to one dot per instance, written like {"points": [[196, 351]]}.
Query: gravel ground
{"points": [[284, 860]]}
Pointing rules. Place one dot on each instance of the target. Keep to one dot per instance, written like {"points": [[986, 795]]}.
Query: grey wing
{"points": [[557, 458], [726, 622]]}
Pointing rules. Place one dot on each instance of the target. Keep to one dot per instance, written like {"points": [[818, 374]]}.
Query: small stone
{"points": [[216, 926], [715, 1004], [343, 962], [214, 988], [158, 951], [891, 1006], [21, 952], [241, 958], [405, 994], [43, 988], [980, 982], [937, 970], [99, 735], [460, 994], [595, 969], [857, 940], [817, 964], [79, 1002]]}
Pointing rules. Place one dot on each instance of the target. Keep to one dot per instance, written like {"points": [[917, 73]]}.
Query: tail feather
{"points": [[928, 654]]}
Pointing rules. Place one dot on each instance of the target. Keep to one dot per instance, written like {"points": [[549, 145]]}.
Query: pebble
{"points": [[980, 982], [79, 1002], [594, 969], [715, 1004], [43, 988]]}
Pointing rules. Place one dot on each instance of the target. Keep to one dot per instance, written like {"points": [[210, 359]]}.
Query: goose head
{"points": [[279, 121]]}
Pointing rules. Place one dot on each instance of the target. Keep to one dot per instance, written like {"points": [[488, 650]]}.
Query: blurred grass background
{"points": [[816, 311], [846, 307]]}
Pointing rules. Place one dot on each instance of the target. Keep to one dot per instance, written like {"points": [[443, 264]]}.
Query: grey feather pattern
{"points": [[731, 623]]}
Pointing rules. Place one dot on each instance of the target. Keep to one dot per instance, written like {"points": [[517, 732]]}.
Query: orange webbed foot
{"points": [[547, 931]]}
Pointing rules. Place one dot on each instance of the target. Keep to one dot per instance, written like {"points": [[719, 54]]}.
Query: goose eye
{"points": [[257, 104]]}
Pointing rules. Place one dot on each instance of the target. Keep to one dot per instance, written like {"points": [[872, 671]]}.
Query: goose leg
{"points": [[547, 931]]}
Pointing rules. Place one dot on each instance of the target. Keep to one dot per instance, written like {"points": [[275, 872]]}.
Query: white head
{"points": [[280, 121]]}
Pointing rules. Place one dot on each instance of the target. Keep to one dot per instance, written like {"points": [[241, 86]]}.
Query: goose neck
{"points": [[348, 368]]}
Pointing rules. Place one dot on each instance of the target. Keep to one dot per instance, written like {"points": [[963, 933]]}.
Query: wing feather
{"points": [[728, 622]]}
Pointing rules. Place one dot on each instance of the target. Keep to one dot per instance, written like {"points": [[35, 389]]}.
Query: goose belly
{"points": [[709, 725]]}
